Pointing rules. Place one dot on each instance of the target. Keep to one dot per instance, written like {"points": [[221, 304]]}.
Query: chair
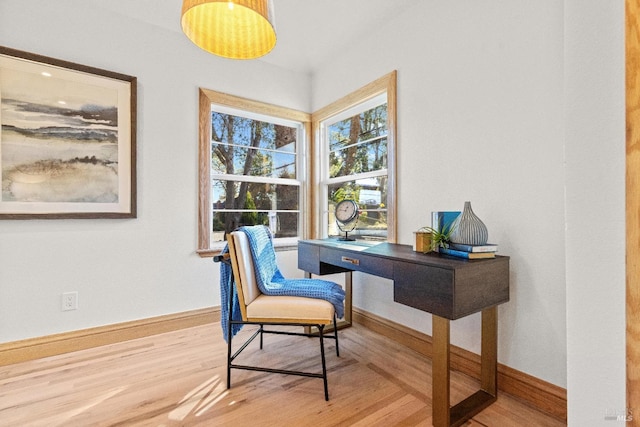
{"points": [[260, 309]]}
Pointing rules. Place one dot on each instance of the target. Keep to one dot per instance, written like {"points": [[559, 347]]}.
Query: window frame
{"points": [[207, 97], [385, 85]]}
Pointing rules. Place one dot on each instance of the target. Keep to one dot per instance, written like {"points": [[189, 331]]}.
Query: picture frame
{"points": [[67, 139]]}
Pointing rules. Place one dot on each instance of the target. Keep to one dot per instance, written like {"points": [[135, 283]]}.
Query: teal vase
{"points": [[468, 229]]}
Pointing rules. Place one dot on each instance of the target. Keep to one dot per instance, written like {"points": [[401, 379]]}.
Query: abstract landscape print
{"points": [[65, 140]]}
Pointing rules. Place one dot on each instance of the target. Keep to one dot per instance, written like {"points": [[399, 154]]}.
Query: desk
{"points": [[447, 287]]}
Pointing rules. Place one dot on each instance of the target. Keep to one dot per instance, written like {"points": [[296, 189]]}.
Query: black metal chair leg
{"points": [[261, 334], [229, 331], [324, 364], [335, 331], [229, 359]]}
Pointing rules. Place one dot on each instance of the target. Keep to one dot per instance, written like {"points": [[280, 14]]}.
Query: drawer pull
{"points": [[351, 260]]}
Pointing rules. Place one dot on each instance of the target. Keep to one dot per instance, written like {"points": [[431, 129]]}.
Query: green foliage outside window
{"points": [[358, 146], [243, 147]]}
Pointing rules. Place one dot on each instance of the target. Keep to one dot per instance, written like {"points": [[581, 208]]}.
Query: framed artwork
{"points": [[67, 139]]}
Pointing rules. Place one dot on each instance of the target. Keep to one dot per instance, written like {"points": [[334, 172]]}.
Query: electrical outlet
{"points": [[69, 301]]}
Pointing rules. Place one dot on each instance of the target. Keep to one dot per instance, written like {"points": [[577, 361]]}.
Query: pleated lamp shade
{"points": [[238, 29]]}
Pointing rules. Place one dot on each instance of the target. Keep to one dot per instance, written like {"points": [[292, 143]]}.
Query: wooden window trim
{"points": [[206, 98], [388, 84]]}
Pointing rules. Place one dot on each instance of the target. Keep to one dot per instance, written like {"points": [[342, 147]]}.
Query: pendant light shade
{"points": [[238, 29]]}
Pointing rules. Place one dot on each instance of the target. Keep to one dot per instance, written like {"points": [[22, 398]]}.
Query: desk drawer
{"points": [[358, 261], [426, 288], [454, 292], [309, 260]]}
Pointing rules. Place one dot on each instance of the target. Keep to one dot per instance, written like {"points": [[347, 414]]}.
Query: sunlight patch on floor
{"points": [[68, 415], [200, 399]]}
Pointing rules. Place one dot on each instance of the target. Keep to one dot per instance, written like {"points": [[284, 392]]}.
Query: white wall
{"points": [[480, 118], [517, 106], [595, 180], [136, 268]]}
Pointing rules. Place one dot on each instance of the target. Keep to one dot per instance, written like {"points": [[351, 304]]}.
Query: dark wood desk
{"points": [[447, 287]]}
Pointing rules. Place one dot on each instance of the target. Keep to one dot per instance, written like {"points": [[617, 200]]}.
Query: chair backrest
{"points": [[243, 270]]}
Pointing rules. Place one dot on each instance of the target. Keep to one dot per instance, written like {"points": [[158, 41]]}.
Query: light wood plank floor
{"points": [[178, 379]]}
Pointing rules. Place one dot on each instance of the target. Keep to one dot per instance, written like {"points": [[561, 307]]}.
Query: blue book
{"points": [[467, 255], [489, 247], [442, 220]]}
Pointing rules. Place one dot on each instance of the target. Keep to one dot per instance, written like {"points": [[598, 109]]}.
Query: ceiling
{"points": [[308, 31]]}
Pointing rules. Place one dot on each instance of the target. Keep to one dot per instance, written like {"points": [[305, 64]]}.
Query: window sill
{"points": [[281, 245]]}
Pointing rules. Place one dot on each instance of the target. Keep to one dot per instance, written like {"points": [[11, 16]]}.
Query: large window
{"points": [[251, 168], [356, 145]]}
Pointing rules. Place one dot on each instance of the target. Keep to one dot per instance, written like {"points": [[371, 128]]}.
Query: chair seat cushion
{"points": [[290, 309]]}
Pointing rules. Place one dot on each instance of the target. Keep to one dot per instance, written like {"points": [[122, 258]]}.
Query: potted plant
{"points": [[436, 238]]}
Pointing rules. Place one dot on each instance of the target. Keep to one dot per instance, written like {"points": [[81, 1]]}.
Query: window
{"points": [[251, 169], [356, 147]]}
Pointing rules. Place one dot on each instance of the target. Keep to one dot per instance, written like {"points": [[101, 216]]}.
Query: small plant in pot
{"points": [[439, 238]]}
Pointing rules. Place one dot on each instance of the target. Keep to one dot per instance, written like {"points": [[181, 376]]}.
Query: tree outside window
{"points": [[357, 168], [242, 147], [253, 169], [356, 145]]}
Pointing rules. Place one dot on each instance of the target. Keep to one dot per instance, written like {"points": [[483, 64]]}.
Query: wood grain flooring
{"points": [[179, 379]]}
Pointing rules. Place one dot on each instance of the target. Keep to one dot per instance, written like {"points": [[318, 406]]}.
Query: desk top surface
{"points": [[399, 252]]}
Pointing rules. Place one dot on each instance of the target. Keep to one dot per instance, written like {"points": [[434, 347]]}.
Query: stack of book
{"points": [[470, 251]]}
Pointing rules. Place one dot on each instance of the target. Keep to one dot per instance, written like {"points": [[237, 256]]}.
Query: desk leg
{"points": [[441, 372], [452, 416], [489, 351], [348, 302]]}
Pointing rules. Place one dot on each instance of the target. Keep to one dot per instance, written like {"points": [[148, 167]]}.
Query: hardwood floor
{"points": [[179, 379]]}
